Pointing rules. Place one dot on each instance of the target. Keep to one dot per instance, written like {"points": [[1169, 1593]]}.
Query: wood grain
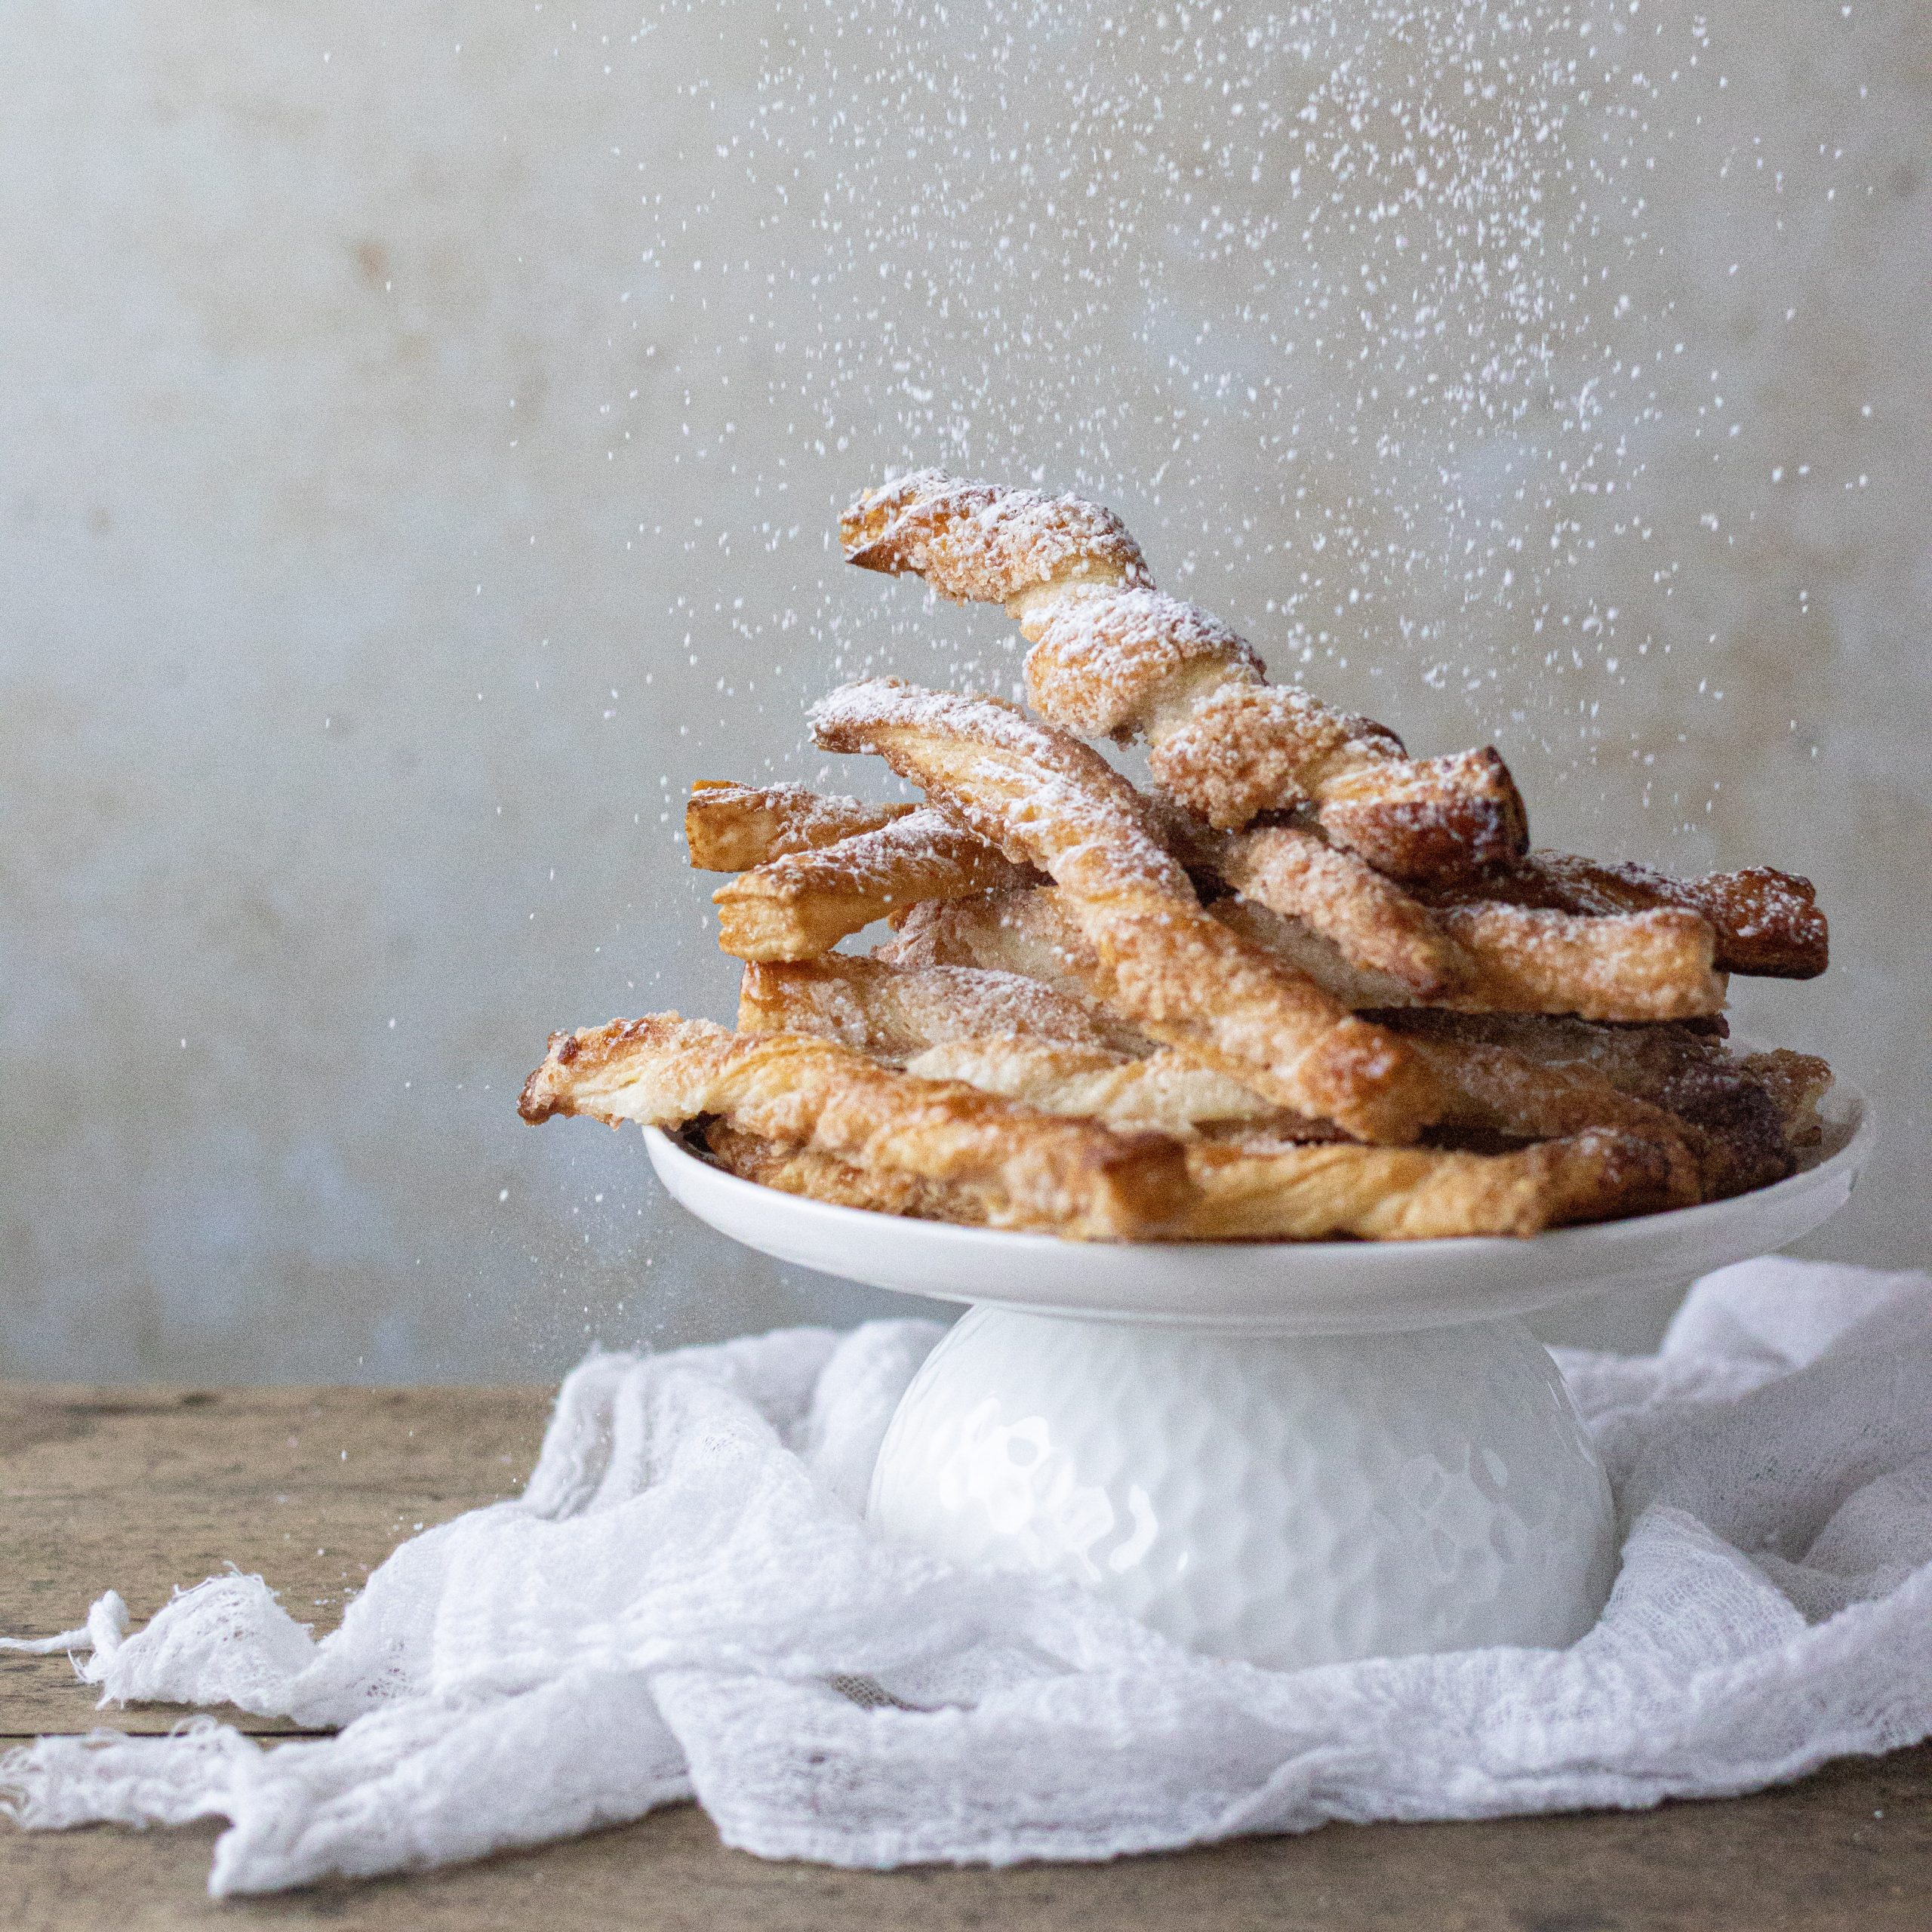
{"points": [[145, 1489]]}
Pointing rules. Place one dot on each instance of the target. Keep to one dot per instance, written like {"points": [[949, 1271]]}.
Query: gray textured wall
{"points": [[423, 429]]}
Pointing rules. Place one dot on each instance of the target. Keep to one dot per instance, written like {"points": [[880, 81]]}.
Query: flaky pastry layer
{"points": [[800, 906], [731, 828], [1034, 1170], [1305, 1193], [893, 1013], [822, 1176], [1163, 1091]]}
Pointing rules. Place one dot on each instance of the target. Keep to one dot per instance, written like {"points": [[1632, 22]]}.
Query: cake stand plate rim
{"points": [[1283, 1287]]}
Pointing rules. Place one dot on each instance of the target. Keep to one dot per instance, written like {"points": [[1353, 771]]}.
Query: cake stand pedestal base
{"points": [[1292, 1453], [1282, 1500]]}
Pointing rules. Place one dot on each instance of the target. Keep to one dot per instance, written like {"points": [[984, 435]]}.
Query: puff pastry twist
{"points": [[1046, 799], [1113, 656]]}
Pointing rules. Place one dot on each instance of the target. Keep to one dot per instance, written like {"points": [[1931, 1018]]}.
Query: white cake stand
{"points": [[1289, 1454]]}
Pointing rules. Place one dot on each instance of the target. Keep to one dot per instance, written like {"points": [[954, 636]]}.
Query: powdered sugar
{"points": [[891, 858], [982, 543], [1102, 661], [1044, 798]]}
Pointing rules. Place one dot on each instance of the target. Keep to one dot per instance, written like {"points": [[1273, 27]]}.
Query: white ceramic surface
{"points": [[1286, 1501], [1280, 1288]]}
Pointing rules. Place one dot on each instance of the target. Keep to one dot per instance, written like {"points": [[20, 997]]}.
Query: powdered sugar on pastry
{"points": [[976, 542], [1163, 1091], [1111, 655], [730, 827], [1043, 797], [1766, 922], [1107, 665], [1034, 1169], [894, 1013], [801, 905]]}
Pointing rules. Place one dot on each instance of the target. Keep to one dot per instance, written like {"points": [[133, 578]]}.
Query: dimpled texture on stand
{"points": [[1281, 1501]]}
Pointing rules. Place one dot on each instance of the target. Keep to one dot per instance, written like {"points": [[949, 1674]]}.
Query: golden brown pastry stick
{"points": [[821, 1177], [1476, 957], [1371, 921], [1046, 799], [1003, 1033], [1631, 966], [1306, 1193], [1767, 923], [1745, 1117], [800, 905], [1627, 971], [1163, 1092], [1646, 966], [1035, 1170], [1796, 1083], [875, 1008], [1641, 966], [1113, 655], [1420, 1194], [731, 828]]}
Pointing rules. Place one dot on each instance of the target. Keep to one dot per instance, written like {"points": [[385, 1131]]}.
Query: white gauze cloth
{"points": [[686, 1602]]}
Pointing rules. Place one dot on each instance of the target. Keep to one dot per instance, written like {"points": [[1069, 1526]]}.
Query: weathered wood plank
{"points": [[144, 1491], [1812, 1859]]}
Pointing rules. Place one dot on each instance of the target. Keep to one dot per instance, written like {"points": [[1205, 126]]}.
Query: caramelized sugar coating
{"points": [[1744, 1118]]}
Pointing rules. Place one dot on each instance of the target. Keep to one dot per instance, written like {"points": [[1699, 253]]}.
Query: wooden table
{"points": [[143, 1489]]}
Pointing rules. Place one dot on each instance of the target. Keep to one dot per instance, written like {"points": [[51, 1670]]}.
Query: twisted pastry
{"points": [[1357, 934], [893, 1013], [731, 828], [1070, 1176], [1294, 1193], [1767, 922], [1371, 921], [1046, 799], [1113, 656], [1492, 1089], [801, 904]]}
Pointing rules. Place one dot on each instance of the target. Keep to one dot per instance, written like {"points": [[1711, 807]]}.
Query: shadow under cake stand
{"points": [[1286, 1452]]}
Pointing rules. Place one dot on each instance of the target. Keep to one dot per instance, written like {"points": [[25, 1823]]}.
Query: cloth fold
{"points": [[686, 1602]]}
